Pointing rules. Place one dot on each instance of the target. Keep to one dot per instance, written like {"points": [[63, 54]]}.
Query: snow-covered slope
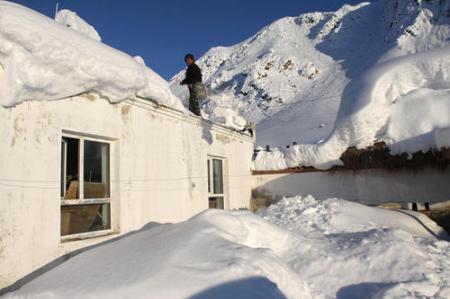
{"points": [[41, 59], [303, 249], [404, 102], [291, 75]]}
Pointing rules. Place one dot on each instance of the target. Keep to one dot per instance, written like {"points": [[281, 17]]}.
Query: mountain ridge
{"points": [[289, 77]]}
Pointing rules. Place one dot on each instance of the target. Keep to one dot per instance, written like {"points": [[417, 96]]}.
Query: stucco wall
{"points": [[370, 186], [158, 171]]}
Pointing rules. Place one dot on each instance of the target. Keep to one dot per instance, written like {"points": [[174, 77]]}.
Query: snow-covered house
{"points": [[94, 145]]}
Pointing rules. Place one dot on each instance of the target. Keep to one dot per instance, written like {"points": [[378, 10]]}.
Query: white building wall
{"points": [[158, 171], [369, 186]]}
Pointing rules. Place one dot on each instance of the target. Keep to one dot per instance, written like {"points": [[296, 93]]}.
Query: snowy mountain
{"points": [[290, 76]]}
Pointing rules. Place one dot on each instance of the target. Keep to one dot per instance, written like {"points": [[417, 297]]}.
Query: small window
{"points": [[215, 183], [85, 203]]}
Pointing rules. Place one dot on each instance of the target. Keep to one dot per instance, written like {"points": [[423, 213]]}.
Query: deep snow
{"points": [[73, 21], [297, 248], [45, 59], [404, 102], [223, 108], [41, 59]]}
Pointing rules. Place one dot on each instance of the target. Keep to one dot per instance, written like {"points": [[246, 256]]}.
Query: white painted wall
{"points": [[158, 171], [371, 186]]}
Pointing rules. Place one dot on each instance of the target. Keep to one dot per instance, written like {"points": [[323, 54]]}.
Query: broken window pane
{"points": [[77, 219], [96, 169]]}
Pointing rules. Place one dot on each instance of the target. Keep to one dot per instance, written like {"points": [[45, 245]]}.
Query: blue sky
{"points": [[162, 32]]}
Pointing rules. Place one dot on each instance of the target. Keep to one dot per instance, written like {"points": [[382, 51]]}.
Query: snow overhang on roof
{"points": [[44, 60]]}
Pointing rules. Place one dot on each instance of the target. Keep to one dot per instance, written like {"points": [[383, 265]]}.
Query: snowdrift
{"points": [[291, 250], [223, 108], [269, 160], [192, 258], [74, 22], [41, 59], [404, 102]]}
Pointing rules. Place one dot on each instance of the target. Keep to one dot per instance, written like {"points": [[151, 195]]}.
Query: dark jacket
{"points": [[193, 75]]}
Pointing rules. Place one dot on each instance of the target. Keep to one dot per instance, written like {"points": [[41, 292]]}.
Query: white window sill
{"points": [[88, 235], [73, 202]]}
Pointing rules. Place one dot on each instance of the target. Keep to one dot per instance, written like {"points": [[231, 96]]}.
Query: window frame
{"points": [[210, 179], [81, 200]]}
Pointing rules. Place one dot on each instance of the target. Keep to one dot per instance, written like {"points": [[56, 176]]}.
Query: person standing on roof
{"points": [[193, 80]]}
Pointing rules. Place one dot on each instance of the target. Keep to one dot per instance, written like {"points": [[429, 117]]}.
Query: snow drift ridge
{"points": [[404, 102], [294, 247]]}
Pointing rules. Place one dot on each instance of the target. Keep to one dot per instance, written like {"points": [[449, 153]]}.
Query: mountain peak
{"points": [[292, 73]]}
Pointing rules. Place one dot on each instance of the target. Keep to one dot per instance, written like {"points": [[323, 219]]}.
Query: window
{"points": [[215, 183], [85, 185]]}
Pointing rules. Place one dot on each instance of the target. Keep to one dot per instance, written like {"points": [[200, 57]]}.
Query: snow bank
{"points": [[216, 254], [223, 108], [362, 252], [404, 102], [337, 216], [43, 60], [420, 120], [299, 247], [269, 160], [71, 20]]}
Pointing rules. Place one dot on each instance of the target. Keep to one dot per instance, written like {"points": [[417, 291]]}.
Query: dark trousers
{"points": [[197, 92], [194, 107]]}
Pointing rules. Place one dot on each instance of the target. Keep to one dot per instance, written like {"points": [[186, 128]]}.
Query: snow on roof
{"points": [[41, 59], [73, 21]]}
